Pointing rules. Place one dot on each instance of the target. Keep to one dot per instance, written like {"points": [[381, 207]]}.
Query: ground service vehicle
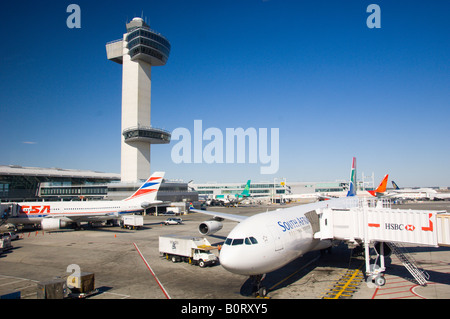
{"points": [[173, 221], [194, 250], [132, 221]]}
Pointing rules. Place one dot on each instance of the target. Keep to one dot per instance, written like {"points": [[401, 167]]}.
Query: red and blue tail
{"points": [[147, 192]]}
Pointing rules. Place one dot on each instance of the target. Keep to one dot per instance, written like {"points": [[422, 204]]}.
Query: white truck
{"points": [[5, 244], [194, 250], [132, 221]]}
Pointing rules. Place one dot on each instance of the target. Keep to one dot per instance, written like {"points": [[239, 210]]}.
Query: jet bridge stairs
{"points": [[374, 222]]}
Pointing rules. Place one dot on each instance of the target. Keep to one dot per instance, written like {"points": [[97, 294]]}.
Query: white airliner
{"points": [[413, 193], [267, 241], [56, 215], [378, 192]]}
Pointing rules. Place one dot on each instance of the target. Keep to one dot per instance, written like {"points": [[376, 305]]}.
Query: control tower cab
{"points": [[139, 50]]}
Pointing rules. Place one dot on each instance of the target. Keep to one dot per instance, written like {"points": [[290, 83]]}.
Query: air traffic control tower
{"points": [[139, 50]]}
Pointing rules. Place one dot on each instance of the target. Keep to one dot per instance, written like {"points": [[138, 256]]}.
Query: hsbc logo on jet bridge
{"points": [[392, 226]]}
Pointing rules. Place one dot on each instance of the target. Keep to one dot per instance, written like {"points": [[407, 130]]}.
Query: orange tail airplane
{"points": [[381, 188]]}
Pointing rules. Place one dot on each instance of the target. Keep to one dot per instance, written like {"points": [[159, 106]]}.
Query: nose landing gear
{"points": [[257, 288]]}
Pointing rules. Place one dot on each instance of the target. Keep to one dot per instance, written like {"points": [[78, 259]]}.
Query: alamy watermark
{"points": [[236, 145], [74, 19], [374, 19]]}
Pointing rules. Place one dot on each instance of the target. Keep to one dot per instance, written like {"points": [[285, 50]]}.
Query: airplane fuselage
{"points": [[268, 241], [35, 212]]}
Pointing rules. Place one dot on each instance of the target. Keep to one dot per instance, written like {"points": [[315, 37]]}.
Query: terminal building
{"points": [[18, 184], [280, 189], [276, 190]]}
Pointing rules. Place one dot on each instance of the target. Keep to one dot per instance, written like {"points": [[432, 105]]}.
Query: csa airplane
{"points": [[56, 215], [268, 241]]}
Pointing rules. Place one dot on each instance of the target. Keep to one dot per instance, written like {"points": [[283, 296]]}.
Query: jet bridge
{"points": [[375, 222], [8, 210]]}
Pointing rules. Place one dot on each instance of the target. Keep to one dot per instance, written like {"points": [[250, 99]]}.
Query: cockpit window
{"points": [[237, 242]]}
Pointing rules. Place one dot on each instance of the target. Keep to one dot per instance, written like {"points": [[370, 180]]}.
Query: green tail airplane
{"points": [[235, 198]]}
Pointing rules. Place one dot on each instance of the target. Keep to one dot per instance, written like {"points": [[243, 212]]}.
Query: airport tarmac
{"points": [[127, 265]]}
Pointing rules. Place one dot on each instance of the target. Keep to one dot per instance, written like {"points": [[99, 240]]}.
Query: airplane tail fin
{"points": [[147, 192], [246, 191], [381, 188], [352, 188], [395, 185]]}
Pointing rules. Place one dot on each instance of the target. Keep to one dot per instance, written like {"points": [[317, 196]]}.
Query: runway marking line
{"points": [[153, 274], [410, 286], [405, 289]]}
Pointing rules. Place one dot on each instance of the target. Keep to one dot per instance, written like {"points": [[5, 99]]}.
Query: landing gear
{"points": [[380, 280], [257, 288]]}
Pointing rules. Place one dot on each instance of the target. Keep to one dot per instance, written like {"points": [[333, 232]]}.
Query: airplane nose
{"points": [[230, 261]]}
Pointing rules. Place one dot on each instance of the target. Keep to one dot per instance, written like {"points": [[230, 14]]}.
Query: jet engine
{"points": [[52, 224], [210, 227]]}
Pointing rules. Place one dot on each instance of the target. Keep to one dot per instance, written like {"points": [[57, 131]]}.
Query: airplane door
{"points": [[276, 236]]}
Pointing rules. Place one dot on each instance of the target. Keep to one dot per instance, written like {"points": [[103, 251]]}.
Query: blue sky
{"points": [[313, 69]]}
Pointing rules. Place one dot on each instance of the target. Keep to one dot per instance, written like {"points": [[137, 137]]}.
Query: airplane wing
{"points": [[236, 218]]}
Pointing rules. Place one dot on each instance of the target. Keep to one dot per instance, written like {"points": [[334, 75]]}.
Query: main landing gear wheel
{"points": [[258, 288]]}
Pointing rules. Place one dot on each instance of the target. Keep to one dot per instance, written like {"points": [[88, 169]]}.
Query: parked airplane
{"points": [[234, 198], [267, 241], [412, 193], [381, 189], [56, 215], [378, 192]]}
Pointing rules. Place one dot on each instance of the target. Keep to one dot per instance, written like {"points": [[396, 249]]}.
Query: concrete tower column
{"points": [[139, 50]]}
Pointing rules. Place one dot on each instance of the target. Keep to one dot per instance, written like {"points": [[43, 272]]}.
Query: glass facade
{"points": [[159, 136], [74, 191], [143, 41]]}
